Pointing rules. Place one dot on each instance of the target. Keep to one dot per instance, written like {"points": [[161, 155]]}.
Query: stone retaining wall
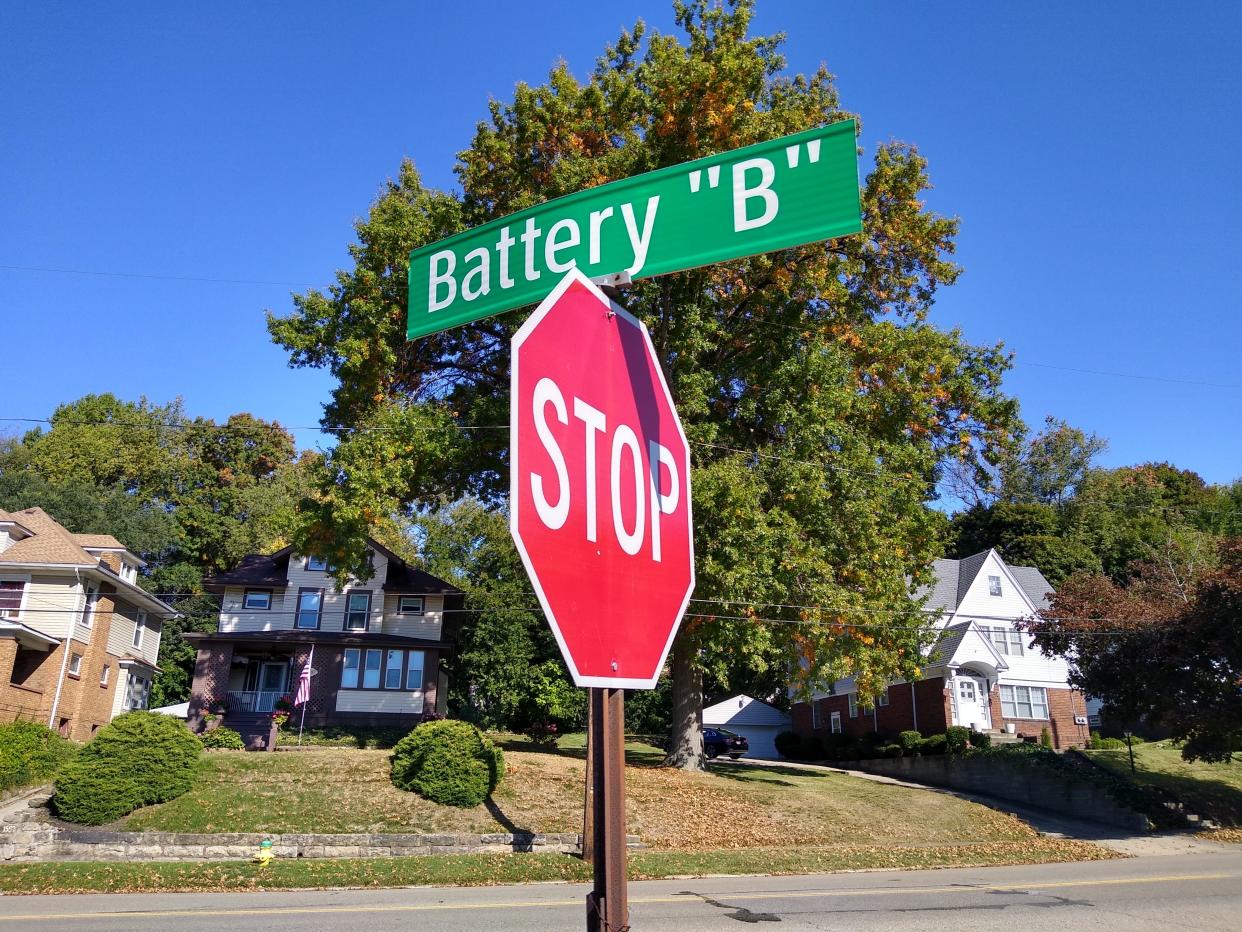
{"points": [[1011, 781]]}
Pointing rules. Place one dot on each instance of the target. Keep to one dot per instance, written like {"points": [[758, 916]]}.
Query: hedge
{"points": [[222, 739], [448, 762], [139, 758], [31, 753]]}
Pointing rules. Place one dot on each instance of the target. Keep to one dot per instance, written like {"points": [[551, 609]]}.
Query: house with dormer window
{"points": [[79, 637], [379, 643], [980, 671]]}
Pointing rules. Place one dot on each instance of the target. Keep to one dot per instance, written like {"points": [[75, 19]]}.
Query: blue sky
{"points": [[1090, 150]]}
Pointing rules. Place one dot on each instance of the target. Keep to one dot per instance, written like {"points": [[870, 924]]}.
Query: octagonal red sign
{"points": [[600, 486]]}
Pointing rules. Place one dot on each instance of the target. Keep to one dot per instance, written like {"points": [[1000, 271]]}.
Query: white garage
{"points": [[754, 719]]}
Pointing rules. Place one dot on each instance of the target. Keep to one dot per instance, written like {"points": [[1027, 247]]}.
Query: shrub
{"points": [[345, 736], [789, 744], [30, 753], [934, 745], [911, 742], [980, 739], [840, 747], [891, 750], [222, 739], [956, 739], [813, 748], [138, 759], [1045, 738], [448, 762]]}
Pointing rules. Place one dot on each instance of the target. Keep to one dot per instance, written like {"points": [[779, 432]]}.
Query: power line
{"points": [[1134, 375], [152, 276]]}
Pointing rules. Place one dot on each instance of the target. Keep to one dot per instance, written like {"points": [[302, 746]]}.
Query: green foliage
{"points": [[935, 744], [818, 362], [448, 762], [1045, 738], [343, 736], [789, 745], [1096, 743], [956, 739], [222, 739], [31, 753], [980, 739], [911, 742], [137, 759], [890, 750]]}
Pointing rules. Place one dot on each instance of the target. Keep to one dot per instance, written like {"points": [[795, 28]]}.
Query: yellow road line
{"points": [[254, 911]]}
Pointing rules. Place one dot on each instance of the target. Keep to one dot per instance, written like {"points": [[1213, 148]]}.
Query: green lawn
{"points": [[1211, 790], [735, 806], [488, 869]]}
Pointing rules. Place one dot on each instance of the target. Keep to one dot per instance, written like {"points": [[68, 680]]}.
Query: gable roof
{"points": [[272, 572], [744, 710], [950, 642], [953, 579], [49, 542]]}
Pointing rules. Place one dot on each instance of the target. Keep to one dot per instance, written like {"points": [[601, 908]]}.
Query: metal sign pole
{"points": [[608, 903], [588, 795]]}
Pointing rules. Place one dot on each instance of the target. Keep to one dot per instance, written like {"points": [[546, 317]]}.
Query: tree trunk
{"points": [[685, 749]]}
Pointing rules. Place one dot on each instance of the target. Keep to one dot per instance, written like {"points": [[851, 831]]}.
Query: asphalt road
{"points": [[1174, 892]]}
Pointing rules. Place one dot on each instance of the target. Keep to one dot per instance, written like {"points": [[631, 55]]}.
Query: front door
{"points": [[271, 686], [971, 695]]}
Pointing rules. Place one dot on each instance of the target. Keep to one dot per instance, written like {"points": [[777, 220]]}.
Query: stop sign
{"points": [[600, 486]]}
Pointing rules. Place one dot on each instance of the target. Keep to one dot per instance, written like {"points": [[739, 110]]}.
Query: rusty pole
{"points": [[608, 903]]}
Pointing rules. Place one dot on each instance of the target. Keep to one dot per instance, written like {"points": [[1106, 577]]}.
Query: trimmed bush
{"points": [[139, 758], [891, 750], [448, 762], [789, 744], [911, 742], [813, 748], [1045, 738], [980, 739], [30, 753], [956, 739], [934, 745], [222, 739]]}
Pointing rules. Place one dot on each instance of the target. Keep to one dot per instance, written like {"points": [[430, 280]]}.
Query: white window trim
{"points": [[422, 605], [103, 675], [323, 568], [882, 701], [852, 699], [836, 723], [140, 626], [88, 607], [816, 722], [21, 605], [995, 589], [1010, 707], [75, 664]]}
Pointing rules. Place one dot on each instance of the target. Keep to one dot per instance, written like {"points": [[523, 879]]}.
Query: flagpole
{"points": [[302, 723]]}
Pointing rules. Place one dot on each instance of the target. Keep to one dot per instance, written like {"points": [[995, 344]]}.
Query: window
{"points": [[882, 701], [88, 610], [139, 692], [140, 625], [994, 586], [75, 665], [257, 600], [836, 723], [414, 670], [816, 724], [1024, 702], [103, 676], [410, 605], [853, 700], [966, 690], [1007, 640], [349, 672], [316, 564], [11, 592], [357, 608], [371, 674], [392, 672], [309, 602]]}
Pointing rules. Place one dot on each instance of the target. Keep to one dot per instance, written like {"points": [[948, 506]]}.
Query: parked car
{"points": [[717, 741]]}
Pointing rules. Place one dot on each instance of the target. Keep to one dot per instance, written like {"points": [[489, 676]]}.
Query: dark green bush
{"points": [[139, 758], [891, 750], [813, 747], [956, 739], [448, 762], [934, 745], [344, 736], [222, 739], [980, 739], [789, 744], [1045, 738], [911, 742], [30, 753], [840, 747]]}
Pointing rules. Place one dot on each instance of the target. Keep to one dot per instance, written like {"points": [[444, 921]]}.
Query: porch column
{"points": [[211, 680]]}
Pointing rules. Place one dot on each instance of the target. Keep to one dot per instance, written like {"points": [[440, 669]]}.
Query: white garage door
{"points": [[762, 739]]}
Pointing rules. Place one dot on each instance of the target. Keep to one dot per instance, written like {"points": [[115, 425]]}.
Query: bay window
{"points": [[388, 669]]}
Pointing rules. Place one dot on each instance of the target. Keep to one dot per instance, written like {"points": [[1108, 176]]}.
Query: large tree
{"points": [[818, 400]]}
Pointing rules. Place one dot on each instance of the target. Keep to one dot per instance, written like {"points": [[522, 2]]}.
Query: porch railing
{"points": [[253, 700]]}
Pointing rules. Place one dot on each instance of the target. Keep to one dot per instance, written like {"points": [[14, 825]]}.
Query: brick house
{"points": [[980, 672], [379, 644], [79, 638]]}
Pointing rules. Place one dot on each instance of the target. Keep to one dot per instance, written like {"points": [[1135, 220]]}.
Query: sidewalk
{"points": [[1133, 844]]}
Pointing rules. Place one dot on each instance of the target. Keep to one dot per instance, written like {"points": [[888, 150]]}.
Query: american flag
{"points": [[303, 692]]}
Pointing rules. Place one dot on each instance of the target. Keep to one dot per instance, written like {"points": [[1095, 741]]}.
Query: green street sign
{"points": [[772, 195]]}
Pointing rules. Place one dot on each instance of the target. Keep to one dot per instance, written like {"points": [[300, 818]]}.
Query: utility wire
{"points": [[152, 277]]}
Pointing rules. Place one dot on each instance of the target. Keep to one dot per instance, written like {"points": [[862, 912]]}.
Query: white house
{"points": [[755, 720]]}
